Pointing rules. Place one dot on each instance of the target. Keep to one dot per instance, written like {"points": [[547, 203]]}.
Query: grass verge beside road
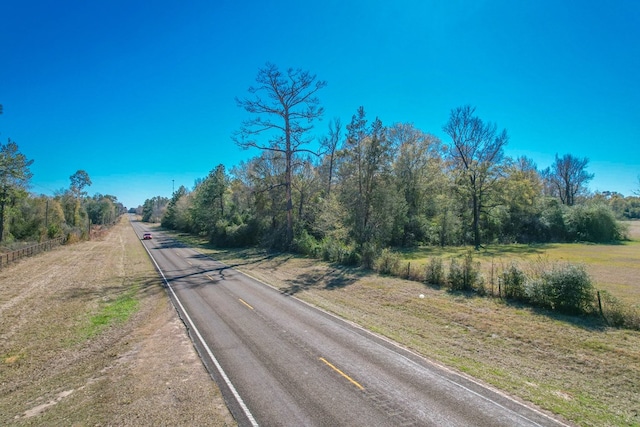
{"points": [[572, 366], [88, 337]]}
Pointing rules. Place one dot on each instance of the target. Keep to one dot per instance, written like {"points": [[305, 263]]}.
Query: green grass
{"points": [[116, 311]]}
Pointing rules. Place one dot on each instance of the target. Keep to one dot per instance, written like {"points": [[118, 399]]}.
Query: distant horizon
{"points": [[142, 97]]}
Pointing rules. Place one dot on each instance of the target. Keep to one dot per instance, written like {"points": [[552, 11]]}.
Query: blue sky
{"points": [[141, 94]]}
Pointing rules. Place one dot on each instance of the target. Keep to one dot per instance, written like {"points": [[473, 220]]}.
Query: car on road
{"points": [[147, 236]]}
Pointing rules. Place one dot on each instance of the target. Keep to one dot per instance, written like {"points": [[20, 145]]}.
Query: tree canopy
{"points": [[14, 178]]}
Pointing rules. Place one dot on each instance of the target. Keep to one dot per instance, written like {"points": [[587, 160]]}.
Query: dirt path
{"points": [[60, 365]]}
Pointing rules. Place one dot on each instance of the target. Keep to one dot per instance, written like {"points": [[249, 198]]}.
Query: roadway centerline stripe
{"points": [[351, 380], [245, 303], [210, 278]]}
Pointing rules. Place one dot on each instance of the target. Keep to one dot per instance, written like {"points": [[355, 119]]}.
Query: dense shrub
{"points": [[618, 314], [368, 254], [593, 223], [465, 276], [552, 224], [236, 235], [333, 250], [567, 289], [434, 273], [388, 262], [306, 244], [513, 281]]}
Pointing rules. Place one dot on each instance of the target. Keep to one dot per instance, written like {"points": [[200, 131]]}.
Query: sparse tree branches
{"points": [[477, 152], [567, 178], [284, 107]]}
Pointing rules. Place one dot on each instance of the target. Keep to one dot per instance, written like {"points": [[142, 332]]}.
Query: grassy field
{"points": [[612, 267], [575, 367]]}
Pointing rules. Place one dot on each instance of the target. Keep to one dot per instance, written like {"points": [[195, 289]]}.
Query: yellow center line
{"points": [[245, 303], [351, 380]]}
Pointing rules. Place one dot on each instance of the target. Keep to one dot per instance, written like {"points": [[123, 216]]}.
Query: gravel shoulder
{"points": [[67, 357]]}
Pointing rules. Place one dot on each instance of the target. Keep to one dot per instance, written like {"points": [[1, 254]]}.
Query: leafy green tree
{"points": [[209, 201], [79, 181], [14, 179], [593, 222], [418, 170], [307, 188], [366, 181], [103, 209], [153, 209], [283, 107], [520, 196], [477, 151], [172, 216]]}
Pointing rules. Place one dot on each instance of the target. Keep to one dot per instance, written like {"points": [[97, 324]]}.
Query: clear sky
{"points": [[140, 94]]}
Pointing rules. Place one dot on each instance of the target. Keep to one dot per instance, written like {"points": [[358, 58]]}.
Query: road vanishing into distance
{"points": [[280, 362]]}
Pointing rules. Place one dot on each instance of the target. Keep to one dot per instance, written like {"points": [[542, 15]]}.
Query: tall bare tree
{"points": [[477, 151], [329, 146], [567, 178], [283, 107]]}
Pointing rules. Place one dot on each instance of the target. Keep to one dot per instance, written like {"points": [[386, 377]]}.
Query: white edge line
{"points": [[235, 393]]}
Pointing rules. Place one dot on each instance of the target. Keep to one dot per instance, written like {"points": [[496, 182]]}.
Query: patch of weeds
{"points": [[116, 311], [597, 346]]}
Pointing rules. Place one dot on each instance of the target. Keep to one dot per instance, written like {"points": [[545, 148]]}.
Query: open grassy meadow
{"points": [[572, 366], [614, 268]]}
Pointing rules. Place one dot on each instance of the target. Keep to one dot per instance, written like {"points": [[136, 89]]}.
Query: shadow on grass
{"points": [[337, 278], [109, 293], [425, 252], [589, 322]]}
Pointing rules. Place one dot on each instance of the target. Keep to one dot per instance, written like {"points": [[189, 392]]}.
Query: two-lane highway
{"points": [[281, 362]]}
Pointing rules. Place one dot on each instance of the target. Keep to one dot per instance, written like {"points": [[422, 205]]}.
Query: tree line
{"points": [[25, 216], [371, 186]]}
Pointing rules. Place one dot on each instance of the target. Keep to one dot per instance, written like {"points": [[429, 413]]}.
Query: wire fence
{"points": [[13, 256]]}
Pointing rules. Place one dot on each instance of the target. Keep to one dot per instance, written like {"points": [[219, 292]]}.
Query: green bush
{"points": [[333, 250], [513, 282], [369, 253], [618, 314], [465, 276], [388, 262], [593, 223], [434, 274], [567, 288], [306, 244], [612, 309]]}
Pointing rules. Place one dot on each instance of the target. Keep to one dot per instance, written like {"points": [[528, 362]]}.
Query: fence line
{"points": [[9, 257]]}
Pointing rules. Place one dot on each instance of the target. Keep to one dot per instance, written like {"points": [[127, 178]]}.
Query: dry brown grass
{"points": [[634, 229], [58, 367]]}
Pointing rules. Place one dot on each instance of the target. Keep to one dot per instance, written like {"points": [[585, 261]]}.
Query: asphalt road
{"points": [[281, 362]]}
